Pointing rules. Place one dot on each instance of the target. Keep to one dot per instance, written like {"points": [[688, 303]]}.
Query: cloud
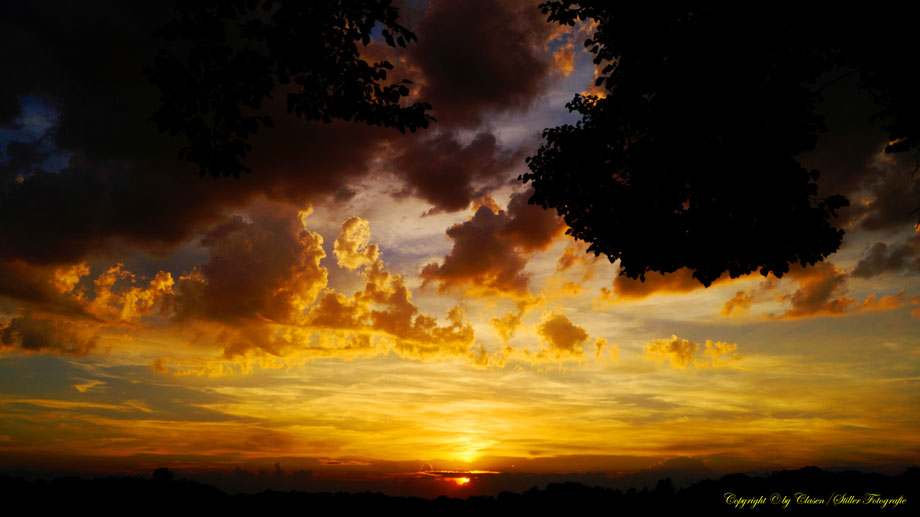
{"points": [[574, 269], [821, 290], [117, 299], [351, 247], [478, 57], [739, 303], [384, 306], [267, 268], [449, 174], [575, 253], [260, 294], [491, 250], [894, 196], [66, 278], [678, 352], [681, 353], [600, 345], [564, 60], [88, 385], [59, 310], [562, 337], [124, 186], [721, 353], [851, 159], [46, 288], [375, 320], [680, 281], [846, 153], [155, 203], [40, 333], [262, 271], [507, 324], [882, 258]]}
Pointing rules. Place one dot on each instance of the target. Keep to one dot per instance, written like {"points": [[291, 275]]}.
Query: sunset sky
{"points": [[366, 305]]}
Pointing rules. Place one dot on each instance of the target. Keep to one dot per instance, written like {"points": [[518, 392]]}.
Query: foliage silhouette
{"points": [[229, 57], [688, 159], [163, 475]]}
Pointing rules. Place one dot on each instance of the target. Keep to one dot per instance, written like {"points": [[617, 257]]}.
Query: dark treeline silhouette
{"points": [[826, 492], [687, 156]]}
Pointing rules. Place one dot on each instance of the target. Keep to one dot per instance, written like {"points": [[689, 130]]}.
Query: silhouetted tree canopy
{"points": [[163, 474], [688, 158], [227, 57]]}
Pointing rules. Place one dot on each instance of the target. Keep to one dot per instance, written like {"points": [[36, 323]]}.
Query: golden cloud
{"points": [[681, 353], [562, 337]]}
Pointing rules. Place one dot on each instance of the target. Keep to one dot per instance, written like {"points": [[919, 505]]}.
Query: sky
{"points": [[372, 309]]}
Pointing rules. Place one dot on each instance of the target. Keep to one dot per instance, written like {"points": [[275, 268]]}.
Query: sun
{"points": [[460, 481]]}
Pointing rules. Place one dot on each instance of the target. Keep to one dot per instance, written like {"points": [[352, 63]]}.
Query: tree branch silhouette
{"points": [[227, 58]]}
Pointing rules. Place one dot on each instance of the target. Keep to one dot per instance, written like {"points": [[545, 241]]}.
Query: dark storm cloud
{"points": [[895, 198], [481, 56], [20, 158], [845, 152], [882, 258], [448, 174], [124, 185], [850, 157], [268, 268]]}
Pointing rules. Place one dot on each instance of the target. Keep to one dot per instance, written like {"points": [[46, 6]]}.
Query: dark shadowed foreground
{"points": [[808, 490]]}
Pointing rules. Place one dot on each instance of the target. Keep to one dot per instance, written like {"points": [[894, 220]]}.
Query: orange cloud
{"points": [[117, 299], [821, 291], [575, 253], [563, 338], [574, 258], [491, 250], [564, 60], [680, 281], [739, 303], [67, 277], [378, 319], [384, 307], [56, 315], [887, 302]]}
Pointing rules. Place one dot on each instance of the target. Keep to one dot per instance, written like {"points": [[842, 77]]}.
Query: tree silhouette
{"points": [[687, 156], [163, 475], [228, 57]]}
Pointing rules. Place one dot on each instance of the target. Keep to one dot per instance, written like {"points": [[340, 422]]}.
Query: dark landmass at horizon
{"points": [[808, 489]]}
